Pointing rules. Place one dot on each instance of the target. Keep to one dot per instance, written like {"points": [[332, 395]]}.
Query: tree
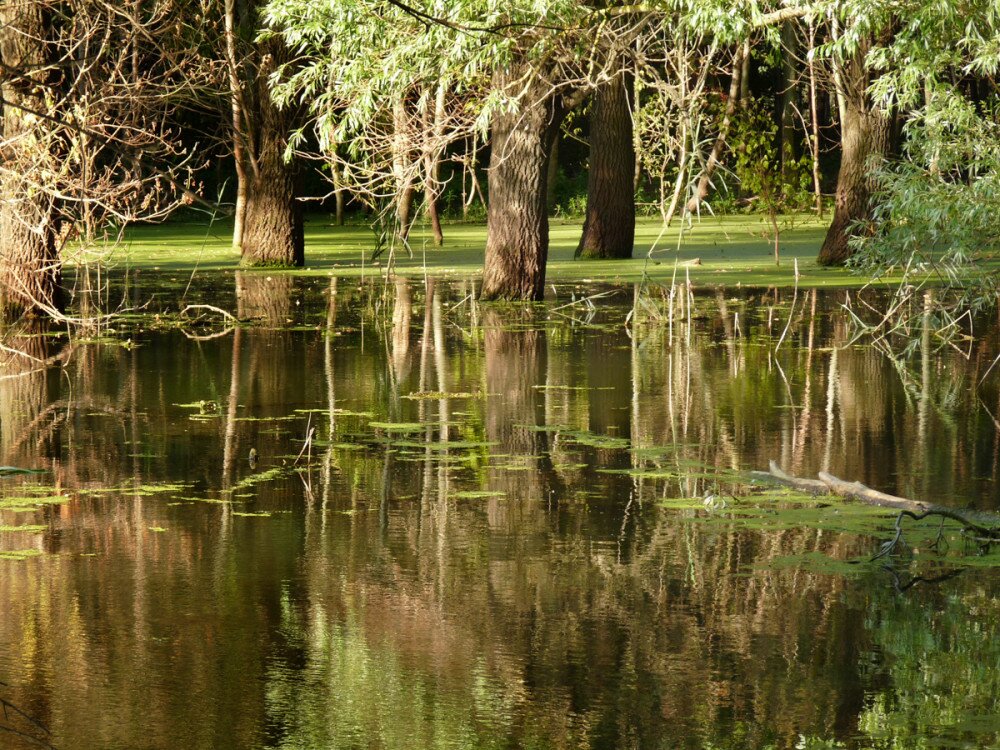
{"points": [[90, 140], [30, 270], [268, 223], [609, 224], [865, 134], [517, 223], [937, 208]]}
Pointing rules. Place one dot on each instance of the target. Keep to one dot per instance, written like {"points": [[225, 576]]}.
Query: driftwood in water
{"points": [[984, 527]]}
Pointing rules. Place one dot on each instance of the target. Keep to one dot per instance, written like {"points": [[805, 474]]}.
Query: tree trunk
{"points": [[609, 225], [273, 231], [789, 95], [550, 180], [432, 163], [236, 100], [402, 167], [517, 223], [30, 267], [865, 131]]}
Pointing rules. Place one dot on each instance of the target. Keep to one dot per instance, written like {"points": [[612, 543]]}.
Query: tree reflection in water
{"points": [[492, 566]]}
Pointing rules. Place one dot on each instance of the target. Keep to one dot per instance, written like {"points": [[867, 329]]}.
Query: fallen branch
{"points": [[983, 528], [213, 308], [864, 493]]}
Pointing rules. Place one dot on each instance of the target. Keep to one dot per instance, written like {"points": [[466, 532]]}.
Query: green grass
{"points": [[732, 250]]}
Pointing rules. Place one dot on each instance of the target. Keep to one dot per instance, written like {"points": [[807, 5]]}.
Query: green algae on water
{"points": [[18, 554]]}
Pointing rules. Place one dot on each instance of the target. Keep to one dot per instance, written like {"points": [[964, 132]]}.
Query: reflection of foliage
{"points": [[943, 664]]}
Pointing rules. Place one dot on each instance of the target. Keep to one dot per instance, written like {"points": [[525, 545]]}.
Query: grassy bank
{"points": [[731, 250]]}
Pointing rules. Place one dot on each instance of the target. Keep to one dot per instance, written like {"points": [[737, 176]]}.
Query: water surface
{"points": [[496, 536]]}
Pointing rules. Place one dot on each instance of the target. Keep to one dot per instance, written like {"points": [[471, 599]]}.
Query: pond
{"points": [[469, 526]]}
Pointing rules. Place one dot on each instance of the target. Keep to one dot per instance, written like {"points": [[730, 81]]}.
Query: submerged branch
{"points": [[982, 527]]}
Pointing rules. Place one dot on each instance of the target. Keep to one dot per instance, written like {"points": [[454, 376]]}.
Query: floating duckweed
{"points": [[251, 514], [477, 494], [158, 529], [263, 476], [436, 395], [27, 527], [31, 503], [400, 426], [817, 562], [18, 554], [593, 440], [205, 405]]}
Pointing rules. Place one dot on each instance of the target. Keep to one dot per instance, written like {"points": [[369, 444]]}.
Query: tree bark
{"points": [[865, 131], [517, 223], [402, 167], [30, 267], [432, 163], [609, 224], [239, 132], [273, 230], [273, 233], [789, 95]]}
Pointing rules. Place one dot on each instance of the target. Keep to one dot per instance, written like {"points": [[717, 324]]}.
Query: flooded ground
{"points": [[466, 526]]}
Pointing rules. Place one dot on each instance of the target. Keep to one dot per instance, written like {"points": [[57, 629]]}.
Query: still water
{"points": [[495, 536]]}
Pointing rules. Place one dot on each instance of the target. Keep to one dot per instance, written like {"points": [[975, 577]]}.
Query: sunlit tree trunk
{"points": [[30, 267], [609, 225], [432, 163], [236, 100], [402, 170], [271, 229], [517, 242]]}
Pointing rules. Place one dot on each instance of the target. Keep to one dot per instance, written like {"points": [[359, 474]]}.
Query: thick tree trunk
{"points": [[609, 225], [273, 231], [30, 267], [865, 131], [517, 242]]}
